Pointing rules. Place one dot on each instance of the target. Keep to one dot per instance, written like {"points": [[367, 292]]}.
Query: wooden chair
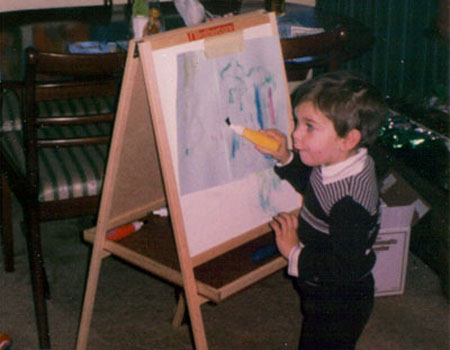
{"points": [[323, 50], [10, 120], [55, 163], [6, 221]]}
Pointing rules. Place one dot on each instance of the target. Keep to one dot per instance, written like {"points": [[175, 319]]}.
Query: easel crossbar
{"points": [[154, 251]]}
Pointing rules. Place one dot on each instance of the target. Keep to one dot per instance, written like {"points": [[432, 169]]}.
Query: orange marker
{"points": [[124, 230], [255, 137]]}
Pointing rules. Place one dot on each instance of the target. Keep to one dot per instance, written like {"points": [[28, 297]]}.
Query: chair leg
{"points": [[38, 277], [7, 226]]}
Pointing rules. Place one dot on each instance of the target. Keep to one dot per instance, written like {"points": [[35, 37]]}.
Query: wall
{"points": [[409, 58]]}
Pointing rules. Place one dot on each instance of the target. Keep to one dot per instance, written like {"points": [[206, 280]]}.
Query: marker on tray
{"points": [[125, 230], [163, 212], [263, 253], [254, 136]]}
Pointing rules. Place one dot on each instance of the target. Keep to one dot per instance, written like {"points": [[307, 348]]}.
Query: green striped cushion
{"points": [[11, 116], [77, 106], [64, 172]]}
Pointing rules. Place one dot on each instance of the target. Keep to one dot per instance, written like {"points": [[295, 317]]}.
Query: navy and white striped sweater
{"points": [[338, 222]]}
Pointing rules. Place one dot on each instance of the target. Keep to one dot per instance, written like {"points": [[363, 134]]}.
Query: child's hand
{"points": [[285, 226], [283, 154]]}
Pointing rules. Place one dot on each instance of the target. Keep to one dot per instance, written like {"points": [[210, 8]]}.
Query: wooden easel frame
{"points": [[139, 142]]}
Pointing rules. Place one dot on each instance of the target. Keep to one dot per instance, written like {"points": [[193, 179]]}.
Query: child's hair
{"points": [[348, 101]]}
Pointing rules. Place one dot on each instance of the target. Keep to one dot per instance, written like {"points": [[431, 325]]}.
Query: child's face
{"points": [[315, 137]]}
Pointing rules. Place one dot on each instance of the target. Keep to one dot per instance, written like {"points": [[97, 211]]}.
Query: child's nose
{"points": [[300, 131], [297, 137]]}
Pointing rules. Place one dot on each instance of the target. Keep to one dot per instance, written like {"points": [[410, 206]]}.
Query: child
{"points": [[329, 246]]}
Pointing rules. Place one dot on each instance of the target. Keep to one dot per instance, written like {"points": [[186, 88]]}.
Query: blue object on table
{"points": [[298, 15], [263, 253], [97, 47]]}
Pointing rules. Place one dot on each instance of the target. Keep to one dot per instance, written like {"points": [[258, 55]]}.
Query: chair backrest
{"points": [[311, 51], [68, 100]]}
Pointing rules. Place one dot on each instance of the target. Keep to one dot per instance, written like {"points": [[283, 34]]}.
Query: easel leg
{"points": [[179, 312], [194, 303]]}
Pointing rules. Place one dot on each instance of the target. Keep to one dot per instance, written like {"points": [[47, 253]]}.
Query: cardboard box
{"points": [[391, 248], [396, 191], [401, 208]]}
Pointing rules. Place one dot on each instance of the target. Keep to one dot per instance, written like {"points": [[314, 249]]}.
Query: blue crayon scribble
{"points": [[232, 64], [264, 201], [276, 182], [242, 87], [234, 146], [268, 185], [259, 115]]}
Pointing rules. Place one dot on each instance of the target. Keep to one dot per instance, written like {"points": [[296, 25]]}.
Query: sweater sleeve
{"points": [[293, 260], [295, 172]]}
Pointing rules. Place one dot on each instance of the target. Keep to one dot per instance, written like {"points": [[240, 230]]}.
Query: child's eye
{"points": [[309, 127]]}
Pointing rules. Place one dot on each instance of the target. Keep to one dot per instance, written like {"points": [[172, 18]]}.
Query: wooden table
{"points": [[53, 29]]}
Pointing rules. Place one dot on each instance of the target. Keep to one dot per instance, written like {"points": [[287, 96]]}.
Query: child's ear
{"points": [[351, 140]]}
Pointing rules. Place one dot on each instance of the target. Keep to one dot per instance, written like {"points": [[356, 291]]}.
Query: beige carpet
{"points": [[133, 310]]}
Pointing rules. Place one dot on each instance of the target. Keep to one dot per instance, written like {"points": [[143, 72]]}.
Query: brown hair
{"points": [[348, 101]]}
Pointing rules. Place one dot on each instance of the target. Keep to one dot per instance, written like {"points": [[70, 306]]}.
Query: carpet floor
{"points": [[133, 310]]}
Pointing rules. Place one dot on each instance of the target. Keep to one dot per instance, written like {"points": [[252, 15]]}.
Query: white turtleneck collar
{"points": [[349, 167]]}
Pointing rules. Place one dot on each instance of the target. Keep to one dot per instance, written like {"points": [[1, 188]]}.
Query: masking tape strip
{"points": [[225, 44]]}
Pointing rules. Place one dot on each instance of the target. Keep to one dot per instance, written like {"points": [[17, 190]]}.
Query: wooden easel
{"points": [[140, 178]]}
